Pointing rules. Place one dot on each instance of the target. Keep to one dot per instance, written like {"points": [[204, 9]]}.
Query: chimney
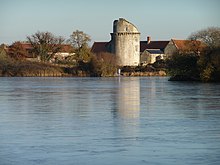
{"points": [[148, 39]]}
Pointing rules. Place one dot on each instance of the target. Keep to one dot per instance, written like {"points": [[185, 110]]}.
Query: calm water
{"points": [[83, 121]]}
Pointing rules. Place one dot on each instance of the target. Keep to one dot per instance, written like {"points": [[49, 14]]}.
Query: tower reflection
{"points": [[128, 101], [127, 110]]}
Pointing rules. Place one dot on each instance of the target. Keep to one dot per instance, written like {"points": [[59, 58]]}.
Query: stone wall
{"points": [[170, 49], [126, 43]]}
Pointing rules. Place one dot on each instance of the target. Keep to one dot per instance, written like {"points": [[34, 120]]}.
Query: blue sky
{"points": [[160, 19]]}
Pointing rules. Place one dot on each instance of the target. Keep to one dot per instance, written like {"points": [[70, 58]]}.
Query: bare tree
{"points": [[79, 39], [210, 36], [45, 44]]}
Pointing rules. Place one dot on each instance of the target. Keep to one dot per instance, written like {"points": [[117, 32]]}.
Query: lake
{"points": [[108, 121]]}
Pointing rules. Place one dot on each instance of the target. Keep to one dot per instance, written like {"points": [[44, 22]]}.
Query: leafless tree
{"points": [[45, 44], [210, 36], [79, 39]]}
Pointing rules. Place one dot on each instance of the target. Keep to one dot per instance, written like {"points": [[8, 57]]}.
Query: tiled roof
{"points": [[26, 45], [98, 47], [64, 47], [185, 45], [153, 45], [154, 51]]}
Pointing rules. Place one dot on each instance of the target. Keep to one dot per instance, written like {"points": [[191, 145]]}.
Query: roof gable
{"points": [[153, 45], [154, 51], [98, 47], [188, 45]]}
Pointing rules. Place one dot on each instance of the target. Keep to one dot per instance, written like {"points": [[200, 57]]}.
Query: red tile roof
{"points": [[26, 46], [103, 46], [64, 47], [186, 45], [153, 45], [98, 47]]}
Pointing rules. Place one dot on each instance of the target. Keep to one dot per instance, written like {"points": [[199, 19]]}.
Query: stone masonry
{"points": [[125, 43]]}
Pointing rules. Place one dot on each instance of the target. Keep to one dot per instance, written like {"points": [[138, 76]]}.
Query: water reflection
{"points": [[128, 98], [127, 110], [130, 120]]}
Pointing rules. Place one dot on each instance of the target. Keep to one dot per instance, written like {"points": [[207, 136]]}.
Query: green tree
{"points": [[209, 61], [209, 65], [183, 67], [80, 40], [45, 45]]}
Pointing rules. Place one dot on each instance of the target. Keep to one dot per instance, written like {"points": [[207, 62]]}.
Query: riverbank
{"points": [[12, 68], [53, 71]]}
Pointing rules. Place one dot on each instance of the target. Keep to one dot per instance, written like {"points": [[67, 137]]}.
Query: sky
{"points": [[160, 19]]}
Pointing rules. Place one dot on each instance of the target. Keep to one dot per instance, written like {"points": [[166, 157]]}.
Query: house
{"points": [[125, 44], [30, 56], [149, 56], [184, 46], [100, 47], [151, 51], [65, 51]]}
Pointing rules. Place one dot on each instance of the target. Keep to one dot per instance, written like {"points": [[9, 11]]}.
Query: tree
{"points": [[45, 45], [3, 53], [79, 40], [17, 51], [83, 53], [204, 66], [183, 66], [210, 36], [209, 65], [209, 61], [103, 64]]}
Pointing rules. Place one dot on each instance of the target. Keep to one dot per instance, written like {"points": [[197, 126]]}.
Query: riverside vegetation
{"points": [[181, 66], [198, 66], [102, 65], [82, 63]]}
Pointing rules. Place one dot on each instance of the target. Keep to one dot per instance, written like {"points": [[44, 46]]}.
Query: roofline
{"points": [[157, 41], [174, 43]]}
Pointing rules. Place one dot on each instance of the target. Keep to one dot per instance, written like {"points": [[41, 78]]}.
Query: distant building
{"points": [[124, 43], [184, 46], [65, 51], [100, 47], [150, 56], [151, 51]]}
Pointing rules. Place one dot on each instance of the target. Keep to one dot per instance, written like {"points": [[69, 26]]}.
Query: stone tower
{"points": [[125, 43]]}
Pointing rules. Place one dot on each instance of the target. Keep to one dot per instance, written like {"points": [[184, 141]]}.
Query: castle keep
{"points": [[125, 43]]}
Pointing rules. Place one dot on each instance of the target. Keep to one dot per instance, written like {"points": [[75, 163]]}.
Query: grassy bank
{"points": [[14, 68]]}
